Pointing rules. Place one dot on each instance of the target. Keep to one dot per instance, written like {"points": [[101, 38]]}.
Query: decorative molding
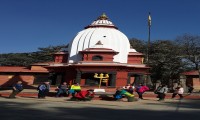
{"points": [[99, 43]]}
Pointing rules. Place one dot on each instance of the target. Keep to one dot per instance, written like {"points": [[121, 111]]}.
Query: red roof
{"points": [[193, 72], [19, 69]]}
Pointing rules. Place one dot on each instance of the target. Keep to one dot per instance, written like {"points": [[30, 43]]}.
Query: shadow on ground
{"points": [[11, 110]]}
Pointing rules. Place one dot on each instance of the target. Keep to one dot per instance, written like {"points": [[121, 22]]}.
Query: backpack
{"points": [[42, 87], [19, 87], [158, 90]]}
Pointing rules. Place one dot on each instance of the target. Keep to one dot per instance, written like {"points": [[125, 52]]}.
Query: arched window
{"points": [[97, 58]]}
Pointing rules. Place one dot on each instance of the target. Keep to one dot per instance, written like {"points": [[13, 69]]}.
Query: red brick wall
{"points": [[82, 82], [135, 59], [9, 80], [4, 78], [106, 56], [196, 83], [60, 58], [121, 78]]}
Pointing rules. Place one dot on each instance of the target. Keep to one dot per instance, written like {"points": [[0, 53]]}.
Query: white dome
{"points": [[100, 30]]}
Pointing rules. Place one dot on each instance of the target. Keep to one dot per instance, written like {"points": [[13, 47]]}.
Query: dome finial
{"points": [[103, 17]]}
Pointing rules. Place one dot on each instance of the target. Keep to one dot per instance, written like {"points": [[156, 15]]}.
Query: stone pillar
{"points": [[78, 77], [113, 79], [144, 77], [128, 80]]}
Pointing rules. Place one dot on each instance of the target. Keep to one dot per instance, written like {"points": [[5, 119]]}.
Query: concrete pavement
{"points": [[53, 108]]}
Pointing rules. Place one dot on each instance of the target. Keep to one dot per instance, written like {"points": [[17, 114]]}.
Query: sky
{"points": [[26, 25]]}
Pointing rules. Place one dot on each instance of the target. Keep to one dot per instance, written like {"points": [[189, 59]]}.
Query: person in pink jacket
{"points": [[141, 89], [179, 90]]}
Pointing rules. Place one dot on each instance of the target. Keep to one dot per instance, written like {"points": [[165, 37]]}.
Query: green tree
{"points": [[138, 45], [46, 54], [25, 59], [165, 61], [15, 59], [190, 46]]}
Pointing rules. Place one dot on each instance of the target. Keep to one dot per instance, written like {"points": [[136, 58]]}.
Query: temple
{"points": [[100, 48], [99, 54]]}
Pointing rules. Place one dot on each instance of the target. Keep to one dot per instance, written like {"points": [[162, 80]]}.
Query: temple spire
{"points": [[102, 21], [103, 17]]}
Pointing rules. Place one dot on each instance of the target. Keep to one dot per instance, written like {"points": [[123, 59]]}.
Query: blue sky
{"points": [[26, 25]]}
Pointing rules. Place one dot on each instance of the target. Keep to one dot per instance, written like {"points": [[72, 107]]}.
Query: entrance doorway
{"points": [[91, 81]]}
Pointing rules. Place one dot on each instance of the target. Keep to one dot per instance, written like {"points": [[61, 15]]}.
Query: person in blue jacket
{"points": [[17, 88], [43, 90]]}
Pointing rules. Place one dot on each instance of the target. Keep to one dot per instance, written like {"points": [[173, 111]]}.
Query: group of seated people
{"points": [[75, 91], [63, 89], [129, 89], [67, 89]]}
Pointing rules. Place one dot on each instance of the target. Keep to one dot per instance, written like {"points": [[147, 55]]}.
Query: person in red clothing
{"points": [[140, 89]]}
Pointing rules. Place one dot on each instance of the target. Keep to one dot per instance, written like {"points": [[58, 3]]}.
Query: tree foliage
{"points": [[15, 59], [164, 60], [190, 48], [138, 45], [25, 59]]}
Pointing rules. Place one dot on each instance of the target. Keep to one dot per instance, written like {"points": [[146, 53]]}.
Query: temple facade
{"points": [[101, 50]]}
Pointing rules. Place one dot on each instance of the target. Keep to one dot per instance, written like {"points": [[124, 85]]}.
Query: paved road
{"points": [[62, 109]]}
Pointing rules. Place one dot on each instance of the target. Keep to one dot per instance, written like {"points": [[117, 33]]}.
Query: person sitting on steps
{"points": [[129, 88], [62, 89], [75, 88]]}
